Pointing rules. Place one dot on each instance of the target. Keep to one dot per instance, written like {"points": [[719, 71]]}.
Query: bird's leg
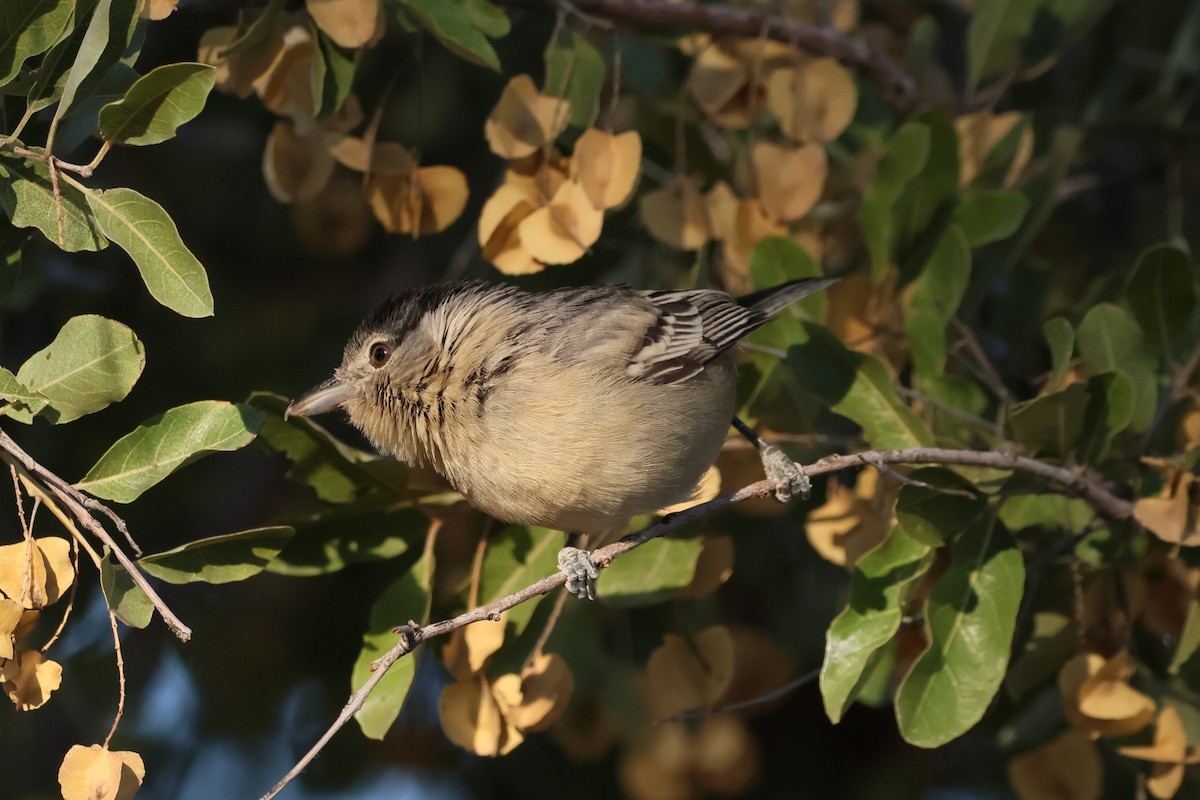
{"points": [[579, 568], [788, 477]]}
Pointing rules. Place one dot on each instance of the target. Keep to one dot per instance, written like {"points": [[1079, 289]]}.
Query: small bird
{"points": [[575, 409]]}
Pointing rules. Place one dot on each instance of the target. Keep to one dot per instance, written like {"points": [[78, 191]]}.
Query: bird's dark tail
{"points": [[770, 302]]}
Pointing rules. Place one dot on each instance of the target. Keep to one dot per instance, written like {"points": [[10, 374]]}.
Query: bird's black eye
{"points": [[380, 353]]}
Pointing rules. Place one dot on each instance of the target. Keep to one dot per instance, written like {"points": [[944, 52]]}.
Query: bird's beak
{"points": [[328, 396]]}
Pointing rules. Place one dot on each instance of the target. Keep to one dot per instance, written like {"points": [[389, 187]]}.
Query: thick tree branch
{"points": [[721, 20], [75, 502], [1085, 486]]}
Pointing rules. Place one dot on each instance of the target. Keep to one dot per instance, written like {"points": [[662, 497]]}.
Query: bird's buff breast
{"points": [[554, 451]]}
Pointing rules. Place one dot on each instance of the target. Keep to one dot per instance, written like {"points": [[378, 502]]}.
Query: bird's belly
{"points": [[561, 458]]}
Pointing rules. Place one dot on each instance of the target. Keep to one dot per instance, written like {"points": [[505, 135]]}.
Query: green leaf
{"points": [[1043, 510], [160, 445], [1189, 638], [871, 617], [935, 299], [970, 617], [991, 215], [934, 517], [575, 71], [258, 29], [335, 540], [1051, 424], [995, 35], [1051, 643], [52, 73], [107, 35], [1162, 294], [651, 574], [927, 201], [27, 197], [408, 598], [337, 472], [219, 559], [1109, 411], [1060, 337], [332, 77], [18, 396], [777, 260], [81, 121], [127, 601], [144, 230], [27, 28], [453, 22], [1108, 339], [516, 557], [157, 104], [91, 363], [858, 386], [902, 160]]}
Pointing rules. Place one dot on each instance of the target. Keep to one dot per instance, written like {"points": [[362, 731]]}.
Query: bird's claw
{"points": [[580, 570], [787, 475]]}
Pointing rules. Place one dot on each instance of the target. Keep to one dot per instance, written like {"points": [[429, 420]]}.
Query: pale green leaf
{"points": [[1189, 638], [1109, 338], [651, 573], [159, 446], [27, 28], [516, 557], [1060, 337], [219, 559], [352, 535], [991, 215], [18, 396], [408, 598], [995, 35], [1109, 411], [575, 71], [27, 197], [1051, 424], [332, 74], [903, 158], [126, 599], [935, 299], [933, 516], [144, 230], [107, 35], [970, 618], [1162, 294], [91, 363], [871, 617], [858, 386], [157, 104], [453, 23]]}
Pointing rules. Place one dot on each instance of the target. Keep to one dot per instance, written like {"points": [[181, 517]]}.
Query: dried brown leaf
{"points": [[296, 166], [524, 119], [36, 574], [790, 180], [607, 166], [29, 678], [814, 102], [349, 23], [563, 230], [1065, 768], [682, 675]]}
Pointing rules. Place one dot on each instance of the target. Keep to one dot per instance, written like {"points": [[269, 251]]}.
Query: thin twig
{"points": [[12, 453], [1081, 484], [112, 621], [722, 20], [769, 697], [884, 469]]}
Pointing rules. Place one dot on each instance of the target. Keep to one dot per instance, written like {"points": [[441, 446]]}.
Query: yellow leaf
{"points": [[37, 573], [607, 166], [524, 119], [236, 73], [10, 616], [716, 79], [682, 675], [1066, 768], [155, 10], [543, 692], [751, 224], [814, 102], [421, 204], [382, 158], [471, 718], [30, 678], [978, 135], [725, 756], [1169, 753], [1173, 514], [349, 23], [708, 487], [563, 230], [675, 214], [96, 773], [296, 167], [1103, 684], [851, 522], [790, 180], [285, 87]]}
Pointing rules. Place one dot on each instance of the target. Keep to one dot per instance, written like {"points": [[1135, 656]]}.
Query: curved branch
{"points": [[1084, 485], [722, 20], [77, 503]]}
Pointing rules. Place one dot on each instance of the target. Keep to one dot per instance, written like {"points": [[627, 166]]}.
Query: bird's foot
{"points": [[787, 475], [580, 570]]}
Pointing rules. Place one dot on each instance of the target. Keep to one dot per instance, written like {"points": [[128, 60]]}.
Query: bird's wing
{"points": [[691, 329]]}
